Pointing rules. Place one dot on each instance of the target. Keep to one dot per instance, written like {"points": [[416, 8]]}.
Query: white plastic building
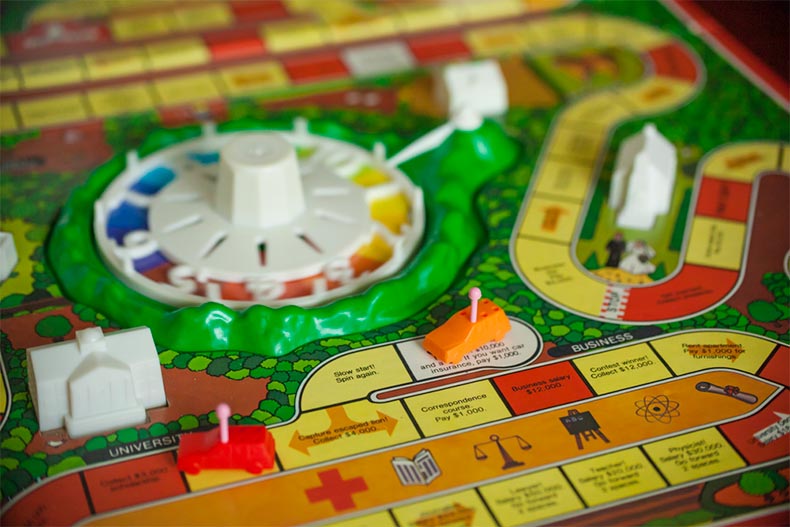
{"points": [[8, 256], [479, 86], [97, 382], [643, 179]]}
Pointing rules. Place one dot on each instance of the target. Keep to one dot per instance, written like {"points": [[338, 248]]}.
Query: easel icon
{"points": [[582, 425], [506, 457]]}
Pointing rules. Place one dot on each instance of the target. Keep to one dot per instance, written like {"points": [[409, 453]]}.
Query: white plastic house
{"points": [[643, 179], [96, 382], [479, 86]]}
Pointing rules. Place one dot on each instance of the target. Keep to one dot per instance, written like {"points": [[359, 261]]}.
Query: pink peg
{"points": [[474, 296], [223, 412]]}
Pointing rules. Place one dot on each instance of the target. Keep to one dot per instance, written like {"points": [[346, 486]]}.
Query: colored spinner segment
{"points": [[257, 218]]}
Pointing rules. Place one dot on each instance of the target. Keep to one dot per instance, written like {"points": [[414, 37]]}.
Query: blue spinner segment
{"points": [[153, 181], [152, 261], [204, 158], [124, 219]]}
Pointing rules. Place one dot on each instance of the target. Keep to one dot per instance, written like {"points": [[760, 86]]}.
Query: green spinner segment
{"points": [[450, 176]]}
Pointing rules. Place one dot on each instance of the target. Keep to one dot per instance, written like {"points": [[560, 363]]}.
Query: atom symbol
{"points": [[657, 409]]}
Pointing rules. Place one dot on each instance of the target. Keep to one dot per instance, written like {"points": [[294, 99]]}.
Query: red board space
{"points": [[694, 289], [674, 61], [532, 390], [135, 481], [315, 67], [438, 47], [728, 200], [741, 433], [63, 502]]}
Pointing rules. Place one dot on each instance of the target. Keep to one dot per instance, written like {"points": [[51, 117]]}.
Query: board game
{"points": [[653, 392]]}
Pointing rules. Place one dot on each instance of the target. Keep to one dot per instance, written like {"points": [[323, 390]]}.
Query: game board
{"points": [[616, 398]]}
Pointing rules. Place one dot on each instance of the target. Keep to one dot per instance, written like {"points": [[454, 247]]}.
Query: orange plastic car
{"points": [[451, 341]]}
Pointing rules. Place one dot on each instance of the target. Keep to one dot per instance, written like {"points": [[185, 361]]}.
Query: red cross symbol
{"points": [[337, 490]]}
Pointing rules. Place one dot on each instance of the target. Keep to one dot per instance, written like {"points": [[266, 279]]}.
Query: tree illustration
{"points": [[54, 326]]}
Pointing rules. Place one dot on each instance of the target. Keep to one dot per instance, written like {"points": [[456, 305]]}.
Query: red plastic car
{"points": [[249, 447]]}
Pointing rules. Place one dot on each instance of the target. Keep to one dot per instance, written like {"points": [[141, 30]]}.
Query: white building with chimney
{"points": [[96, 382]]}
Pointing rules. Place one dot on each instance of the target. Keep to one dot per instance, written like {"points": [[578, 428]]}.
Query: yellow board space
{"points": [[67, 10], [422, 17], [603, 109], [627, 367], [354, 376], [743, 162], [342, 430], [121, 99], [614, 476], [459, 508], [496, 40], [9, 78], [254, 78], [534, 6], [474, 10], [613, 31], [656, 95], [570, 141], [135, 27], [716, 243], [549, 268], [702, 350], [362, 28], [208, 479], [177, 53], [56, 109], [457, 408], [563, 177], [186, 88], [695, 455], [118, 62], [377, 519], [535, 496], [8, 120], [288, 36], [203, 15], [550, 219], [52, 72], [785, 159], [564, 32]]}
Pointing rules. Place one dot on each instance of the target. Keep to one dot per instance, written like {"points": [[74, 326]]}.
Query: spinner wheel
{"points": [[257, 218]]}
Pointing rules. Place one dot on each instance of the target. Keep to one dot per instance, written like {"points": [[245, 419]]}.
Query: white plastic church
{"points": [[96, 382], [643, 179]]}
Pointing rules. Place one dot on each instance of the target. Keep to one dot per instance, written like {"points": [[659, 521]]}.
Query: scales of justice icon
{"points": [[509, 461]]}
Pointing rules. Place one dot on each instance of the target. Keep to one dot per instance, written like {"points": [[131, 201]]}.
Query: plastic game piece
{"points": [[480, 323], [480, 86], [637, 259], [96, 382], [247, 447], [8, 256], [643, 179]]}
